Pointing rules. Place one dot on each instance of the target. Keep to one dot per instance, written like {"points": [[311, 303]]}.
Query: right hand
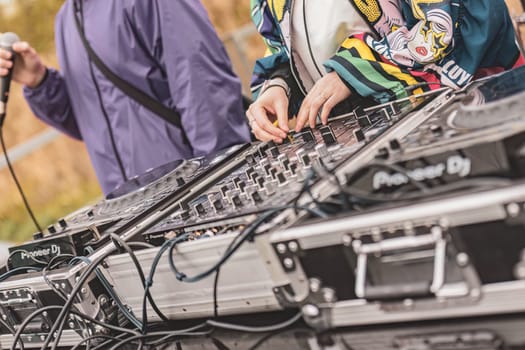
{"points": [[28, 70], [270, 106]]}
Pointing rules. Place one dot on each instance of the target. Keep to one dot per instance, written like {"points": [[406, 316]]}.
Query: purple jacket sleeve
{"points": [[50, 103], [203, 86]]}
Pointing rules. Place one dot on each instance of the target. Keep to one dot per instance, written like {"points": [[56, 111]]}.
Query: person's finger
{"points": [[281, 109], [327, 108], [259, 133], [262, 135], [315, 107], [302, 115], [252, 123], [261, 117], [250, 117], [6, 64], [23, 48], [6, 55], [4, 72]]}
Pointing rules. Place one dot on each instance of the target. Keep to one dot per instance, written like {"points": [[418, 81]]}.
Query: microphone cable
{"points": [[15, 178]]}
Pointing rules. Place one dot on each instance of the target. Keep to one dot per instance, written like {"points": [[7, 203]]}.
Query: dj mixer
{"points": [[410, 211]]}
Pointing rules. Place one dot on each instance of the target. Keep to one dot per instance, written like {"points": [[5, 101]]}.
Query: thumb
{"points": [[23, 48]]}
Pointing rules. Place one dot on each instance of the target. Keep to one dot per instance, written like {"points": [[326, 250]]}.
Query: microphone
{"points": [[6, 42]]}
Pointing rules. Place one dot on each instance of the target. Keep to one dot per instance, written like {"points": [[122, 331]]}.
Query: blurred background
{"points": [[54, 170]]}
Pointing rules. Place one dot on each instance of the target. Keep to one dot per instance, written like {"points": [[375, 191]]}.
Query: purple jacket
{"points": [[167, 48]]}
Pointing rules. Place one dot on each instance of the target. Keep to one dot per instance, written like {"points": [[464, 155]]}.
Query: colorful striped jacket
{"points": [[424, 44]]}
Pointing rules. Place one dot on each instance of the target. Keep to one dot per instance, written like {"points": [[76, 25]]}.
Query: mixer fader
{"points": [[270, 175]]}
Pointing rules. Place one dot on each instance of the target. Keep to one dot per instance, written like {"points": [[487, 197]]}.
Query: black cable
{"points": [[12, 331], [332, 176], [115, 239], [256, 329], [18, 269], [142, 277], [50, 266], [29, 318], [104, 345], [111, 291], [7, 326], [216, 283], [156, 260], [268, 336], [149, 281], [161, 341], [320, 169], [59, 324], [15, 179], [60, 321], [307, 188], [215, 293], [245, 235], [93, 337], [310, 175], [157, 334], [144, 245]]}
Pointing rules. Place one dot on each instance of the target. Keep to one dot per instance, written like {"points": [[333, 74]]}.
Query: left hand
{"points": [[325, 95]]}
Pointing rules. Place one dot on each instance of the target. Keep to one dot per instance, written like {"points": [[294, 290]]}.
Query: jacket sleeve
{"points": [[485, 39], [384, 66], [368, 75], [50, 102], [276, 61]]}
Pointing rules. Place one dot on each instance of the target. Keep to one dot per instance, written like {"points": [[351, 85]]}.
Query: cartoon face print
{"points": [[391, 18], [430, 38], [384, 15]]}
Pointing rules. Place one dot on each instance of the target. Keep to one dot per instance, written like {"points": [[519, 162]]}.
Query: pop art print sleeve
{"points": [[365, 70], [486, 43], [426, 41], [268, 16]]}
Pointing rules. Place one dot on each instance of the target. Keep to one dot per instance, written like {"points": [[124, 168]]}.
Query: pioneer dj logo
{"points": [[454, 165], [52, 250]]}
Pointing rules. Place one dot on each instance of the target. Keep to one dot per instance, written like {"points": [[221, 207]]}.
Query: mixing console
{"points": [[144, 192], [259, 177], [479, 133], [224, 192], [420, 210]]}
